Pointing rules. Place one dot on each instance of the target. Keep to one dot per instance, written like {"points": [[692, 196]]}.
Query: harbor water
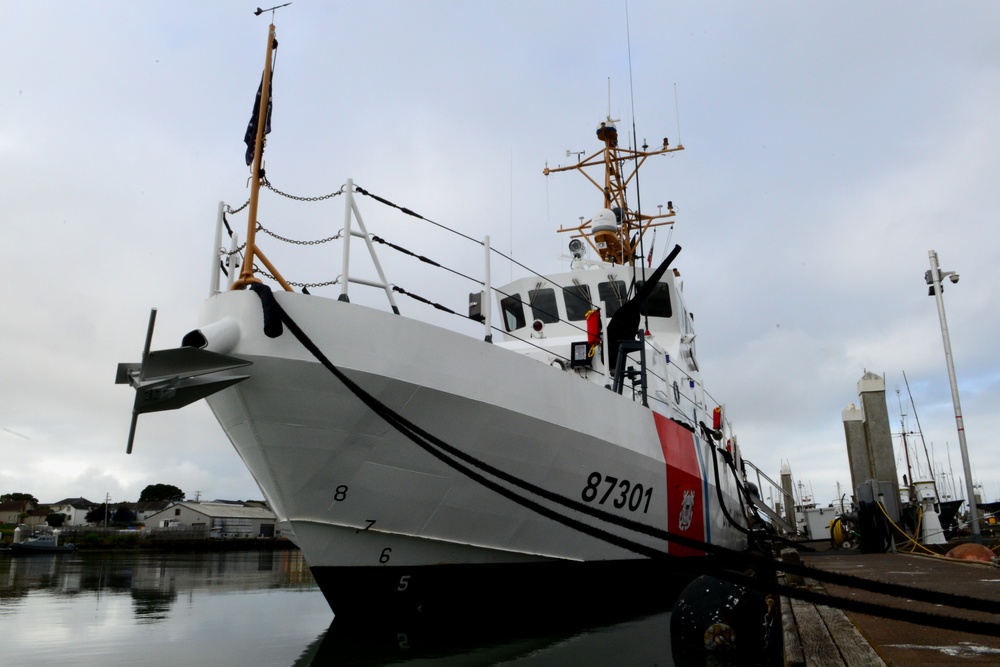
{"points": [[263, 608]]}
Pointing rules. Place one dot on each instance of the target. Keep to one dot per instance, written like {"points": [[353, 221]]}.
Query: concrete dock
{"points": [[820, 635]]}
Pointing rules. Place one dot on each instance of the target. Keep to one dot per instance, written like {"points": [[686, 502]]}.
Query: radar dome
{"points": [[604, 221]]}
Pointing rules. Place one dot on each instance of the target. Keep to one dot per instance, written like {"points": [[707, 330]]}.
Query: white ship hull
{"points": [[360, 494]]}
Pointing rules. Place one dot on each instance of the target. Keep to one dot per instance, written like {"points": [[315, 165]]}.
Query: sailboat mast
{"points": [[246, 273], [909, 469], [930, 460]]}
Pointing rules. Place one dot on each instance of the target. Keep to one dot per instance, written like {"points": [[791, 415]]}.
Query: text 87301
{"points": [[621, 492]]}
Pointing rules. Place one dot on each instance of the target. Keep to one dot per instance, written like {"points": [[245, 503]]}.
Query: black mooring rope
{"points": [[722, 556]]}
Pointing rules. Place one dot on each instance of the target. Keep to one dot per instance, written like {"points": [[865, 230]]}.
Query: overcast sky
{"points": [[829, 147]]}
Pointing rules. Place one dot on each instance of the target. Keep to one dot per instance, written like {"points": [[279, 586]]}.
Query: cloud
{"points": [[827, 150]]}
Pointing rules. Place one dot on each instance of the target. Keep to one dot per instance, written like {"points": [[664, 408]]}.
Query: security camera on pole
{"points": [[933, 278]]}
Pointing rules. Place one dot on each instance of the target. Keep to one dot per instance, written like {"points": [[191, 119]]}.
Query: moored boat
{"points": [[41, 544], [420, 467]]}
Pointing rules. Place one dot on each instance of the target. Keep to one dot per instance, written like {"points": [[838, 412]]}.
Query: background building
{"points": [[217, 519]]}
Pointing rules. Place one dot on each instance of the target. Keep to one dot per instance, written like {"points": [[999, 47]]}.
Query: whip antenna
{"points": [[635, 143], [677, 114]]}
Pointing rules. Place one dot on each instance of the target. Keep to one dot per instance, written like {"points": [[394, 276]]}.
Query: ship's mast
{"points": [[616, 235], [927, 456], [906, 447], [252, 251]]}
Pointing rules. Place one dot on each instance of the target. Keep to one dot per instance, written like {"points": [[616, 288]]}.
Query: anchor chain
{"points": [[267, 184], [261, 228], [328, 283], [230, 209]]}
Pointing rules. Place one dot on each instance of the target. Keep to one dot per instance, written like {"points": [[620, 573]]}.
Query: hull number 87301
{"points": [[621, 492]]}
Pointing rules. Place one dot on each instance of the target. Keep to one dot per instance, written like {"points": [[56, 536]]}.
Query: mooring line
{"points": [[739, 560]]}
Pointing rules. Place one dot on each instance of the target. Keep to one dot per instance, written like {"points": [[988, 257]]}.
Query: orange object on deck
{"points": [[971, 551]]}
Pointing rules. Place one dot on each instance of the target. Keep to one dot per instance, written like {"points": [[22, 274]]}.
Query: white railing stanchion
{"points": [[348, 205], [213, 283], [487, 294]]}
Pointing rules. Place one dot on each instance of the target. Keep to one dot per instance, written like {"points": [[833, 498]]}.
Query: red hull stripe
{"points": [[685, 484]]}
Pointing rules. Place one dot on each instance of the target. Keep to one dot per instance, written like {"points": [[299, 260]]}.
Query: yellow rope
{"points": [[920, 519], [837, 532], [910, 539]]}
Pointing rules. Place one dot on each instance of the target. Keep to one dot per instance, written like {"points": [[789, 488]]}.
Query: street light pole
{"points": [[933, 278]]}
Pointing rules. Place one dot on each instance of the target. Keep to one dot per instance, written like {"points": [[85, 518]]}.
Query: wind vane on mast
{"points": [[261, 11]]}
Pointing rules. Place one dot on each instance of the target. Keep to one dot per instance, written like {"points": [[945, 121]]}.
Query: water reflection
{"points": [[246, 608], [264, 608], [153, 580], [476, 638]]}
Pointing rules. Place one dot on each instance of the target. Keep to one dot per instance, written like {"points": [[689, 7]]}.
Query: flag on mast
{"points": [[250, 138], [649, 259]]}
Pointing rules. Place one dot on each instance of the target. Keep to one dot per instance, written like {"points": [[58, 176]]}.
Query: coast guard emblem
{"points": [[687, 510]]}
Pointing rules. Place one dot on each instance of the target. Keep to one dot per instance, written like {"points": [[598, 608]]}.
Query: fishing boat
{"points": [[570, 450]]}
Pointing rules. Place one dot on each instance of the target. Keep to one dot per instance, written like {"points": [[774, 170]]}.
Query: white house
{"points": [[219, 519], [75, 509], [14, 511]]}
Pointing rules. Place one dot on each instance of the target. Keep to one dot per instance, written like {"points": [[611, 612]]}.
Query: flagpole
{"points": [[246, 274]]}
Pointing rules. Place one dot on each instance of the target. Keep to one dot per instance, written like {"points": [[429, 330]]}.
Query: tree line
{"points": [[104, 513]]}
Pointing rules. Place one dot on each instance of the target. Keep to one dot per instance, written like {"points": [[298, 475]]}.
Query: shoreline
{"points": [[164, 543]]}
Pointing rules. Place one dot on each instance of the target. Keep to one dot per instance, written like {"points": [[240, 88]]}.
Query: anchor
{"points": [[173, 378]]}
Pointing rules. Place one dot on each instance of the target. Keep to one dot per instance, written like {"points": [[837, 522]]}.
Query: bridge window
{"points": [[543, 305], [577, 300], [513, 312], [612, 294], [658, 303]]}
